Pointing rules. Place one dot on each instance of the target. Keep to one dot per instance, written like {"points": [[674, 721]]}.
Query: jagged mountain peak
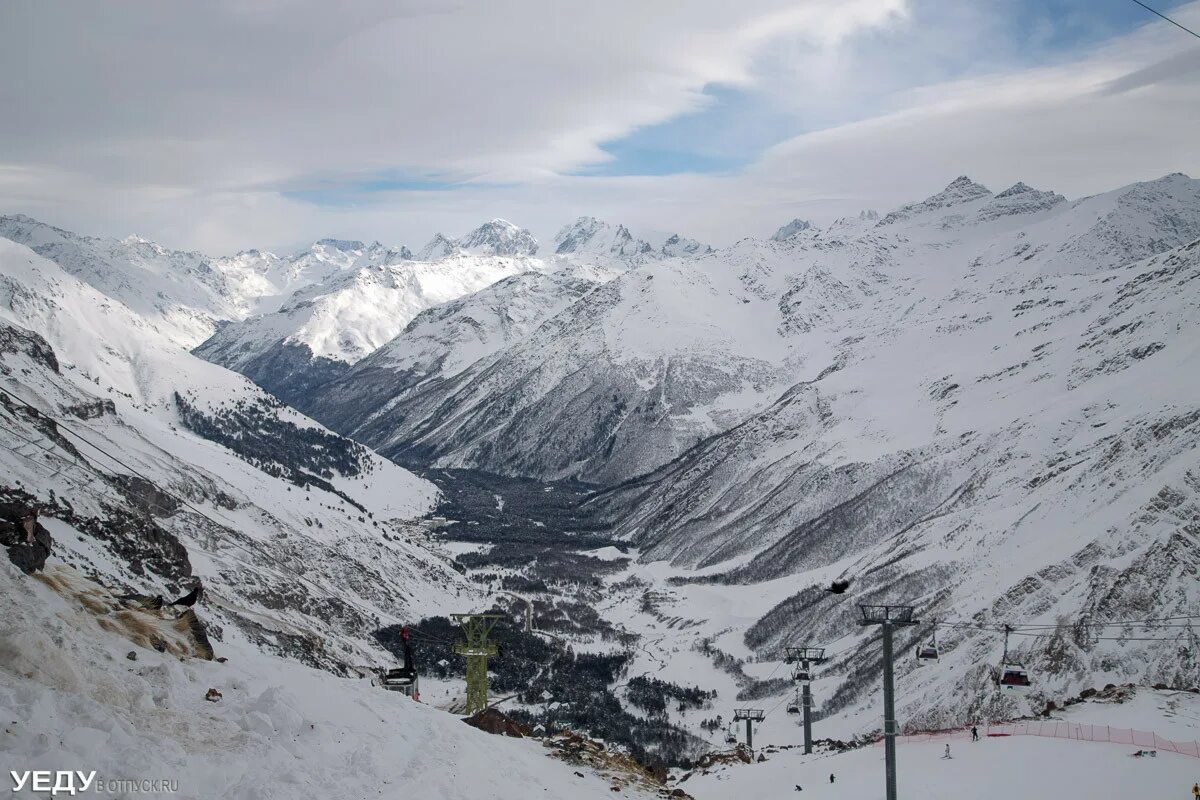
{"points": [[345, 245], [677, 246], [960, 190], [1020, 187], [439, 246], [499, 237], [591, 236], [791, 229]]}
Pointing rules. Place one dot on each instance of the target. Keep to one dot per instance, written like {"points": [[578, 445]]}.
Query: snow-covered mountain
{"points": [[981, 403], [323, 328], [154, 468], [188, 295], [592, 237], [786, 232], [496, 238], [631, 375], [609, 384], [184, 294], [499, 238], [981, 438]]}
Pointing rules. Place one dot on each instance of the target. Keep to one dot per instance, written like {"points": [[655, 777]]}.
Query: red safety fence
{"points": [[1058, 729]]}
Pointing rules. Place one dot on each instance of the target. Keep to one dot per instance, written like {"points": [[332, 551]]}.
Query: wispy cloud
{"points": [[234, 124]]}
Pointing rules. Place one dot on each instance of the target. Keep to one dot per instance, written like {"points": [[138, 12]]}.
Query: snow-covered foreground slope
{"points": [[995, 768], [155, 469], [71, 700]]}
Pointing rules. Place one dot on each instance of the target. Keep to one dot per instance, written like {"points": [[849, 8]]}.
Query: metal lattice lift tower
{"points": [[478, 650], [805, 658], [888, 618], [750, 715]]}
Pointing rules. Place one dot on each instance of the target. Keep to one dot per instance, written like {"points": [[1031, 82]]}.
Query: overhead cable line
{"points": [[1168, 19]]}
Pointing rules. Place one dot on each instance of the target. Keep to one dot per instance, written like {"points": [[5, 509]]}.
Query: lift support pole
{"points": [[477, 650], [888, 618], [750, 715], [807, 657]]}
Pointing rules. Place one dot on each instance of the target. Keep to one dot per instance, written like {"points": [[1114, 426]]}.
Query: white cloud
{"points": [[182, 121]]}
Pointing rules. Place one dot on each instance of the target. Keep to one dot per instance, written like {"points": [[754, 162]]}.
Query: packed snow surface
{"points": [[70, 699]]}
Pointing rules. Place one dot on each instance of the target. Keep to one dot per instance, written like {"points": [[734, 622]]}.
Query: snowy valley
{"points": [[985, 405]]}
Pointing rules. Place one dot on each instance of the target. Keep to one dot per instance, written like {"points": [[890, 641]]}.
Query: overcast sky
{"points": [[227, 124]]}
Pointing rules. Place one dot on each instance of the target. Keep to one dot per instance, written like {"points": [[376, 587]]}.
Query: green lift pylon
{"points": [[477, 650]]}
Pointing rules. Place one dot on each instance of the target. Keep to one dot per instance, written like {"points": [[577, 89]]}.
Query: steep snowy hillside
{"points": [[620, 380], [72, 698], [154, 469], [183, 294], [442, 342], [996, 448], [187, 295], [675, 351], [323, 328]]}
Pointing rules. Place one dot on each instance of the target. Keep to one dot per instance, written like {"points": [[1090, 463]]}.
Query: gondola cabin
{"points": [[1013, 676]]}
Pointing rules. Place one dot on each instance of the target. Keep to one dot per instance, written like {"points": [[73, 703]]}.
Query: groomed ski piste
{"points": [[990, 769], [71, 699]]}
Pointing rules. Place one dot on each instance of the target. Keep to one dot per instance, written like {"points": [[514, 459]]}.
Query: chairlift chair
{"points": [[404, 679], [1012, 674], [793, 708], [929, 650], [802, 675]]}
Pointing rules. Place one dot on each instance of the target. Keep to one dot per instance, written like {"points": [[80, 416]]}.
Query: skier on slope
{"points": [[832, 778], [1196, 790], [947, 755], [974, 734]]}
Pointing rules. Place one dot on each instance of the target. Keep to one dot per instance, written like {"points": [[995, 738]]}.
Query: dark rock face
{"points": [[23, 342], [302, 456], [28, 542], [493, 721], [289, 370]]}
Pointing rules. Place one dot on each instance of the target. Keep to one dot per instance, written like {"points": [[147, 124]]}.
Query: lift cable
{"points": [[1168, 19]]}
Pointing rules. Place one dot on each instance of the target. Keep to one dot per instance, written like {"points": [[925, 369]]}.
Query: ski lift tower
{"points": [[750, 715], [889, 618], [805, 657], [477, 650]]}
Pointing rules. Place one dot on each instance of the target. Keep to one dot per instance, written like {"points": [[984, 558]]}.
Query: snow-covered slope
{"points": [[614, 383], [997, 767], [155, 468], [442, 342], [183, 294], [677, 350], [188, 295], [983, 440], [590, 237], [325, 327], [71, 699]]}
